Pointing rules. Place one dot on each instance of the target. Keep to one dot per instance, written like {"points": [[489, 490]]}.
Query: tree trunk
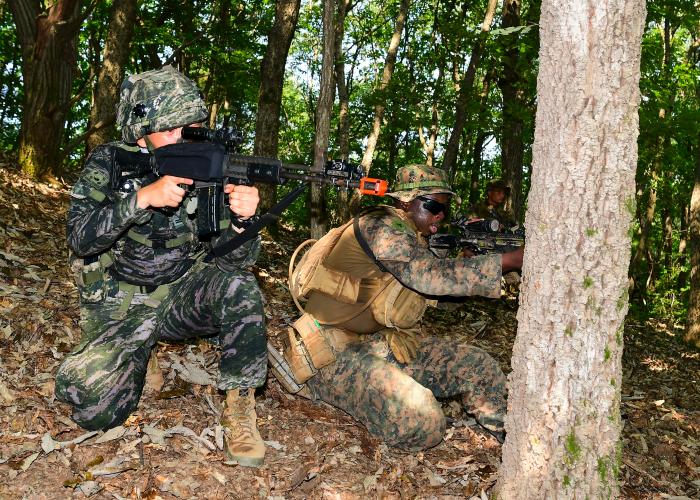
{"points": [[49, 53], [512, 146], [111, 72], [344, 7], [692, 328], [267, 122], [389, 63], [563, 421], [683, 274], [323, 119], [449, 160], [428, 143], [643, 263]]}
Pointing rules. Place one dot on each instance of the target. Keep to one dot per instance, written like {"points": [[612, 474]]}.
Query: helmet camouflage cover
{"points": [[419, 180], [157, 100]]}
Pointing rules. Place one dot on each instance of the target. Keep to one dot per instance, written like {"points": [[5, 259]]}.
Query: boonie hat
{"points": [[419, 180]]}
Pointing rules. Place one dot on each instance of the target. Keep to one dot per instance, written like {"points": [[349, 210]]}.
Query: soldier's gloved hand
{"points": [[403, 343]]}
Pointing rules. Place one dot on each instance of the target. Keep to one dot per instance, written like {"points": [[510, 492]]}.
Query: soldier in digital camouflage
{"points": [[493, 206], [388, 371], [138, 260]]}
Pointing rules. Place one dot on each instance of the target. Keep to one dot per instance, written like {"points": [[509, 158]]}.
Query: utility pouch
{"points": [[399, 307], [336, 284], [315, 341], [309, 351], [298, 358], [90, 277]]}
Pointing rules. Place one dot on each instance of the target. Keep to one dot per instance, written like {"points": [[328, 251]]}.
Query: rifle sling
{"points": [[252, 231], [364, 245]]}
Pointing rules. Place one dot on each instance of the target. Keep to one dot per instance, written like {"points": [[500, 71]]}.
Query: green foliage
{"points": [[573, 448], [11, 93], [221, 43]]}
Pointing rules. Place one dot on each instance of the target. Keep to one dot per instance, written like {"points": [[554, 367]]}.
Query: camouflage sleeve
{"points": [[396, 246], [98, 216], [242, 257]]}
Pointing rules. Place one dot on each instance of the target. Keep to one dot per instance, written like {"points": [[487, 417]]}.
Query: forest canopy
{"points": [[461, 94]]}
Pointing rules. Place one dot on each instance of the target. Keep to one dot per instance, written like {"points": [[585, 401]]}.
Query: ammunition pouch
{"points": [[399, 307], [309, 346]]}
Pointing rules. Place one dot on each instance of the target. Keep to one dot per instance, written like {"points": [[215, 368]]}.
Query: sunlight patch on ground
{"points": [[656, 365]]}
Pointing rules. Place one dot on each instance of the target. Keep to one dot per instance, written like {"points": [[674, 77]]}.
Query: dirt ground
{"points": [[171, 447]]}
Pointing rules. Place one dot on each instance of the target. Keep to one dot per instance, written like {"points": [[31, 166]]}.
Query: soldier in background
{"points": [[493, 206], [366, 301], [138, 262]]}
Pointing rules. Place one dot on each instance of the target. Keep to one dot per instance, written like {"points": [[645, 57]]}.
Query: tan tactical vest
{"points": [[347, 295], [350, 291]]}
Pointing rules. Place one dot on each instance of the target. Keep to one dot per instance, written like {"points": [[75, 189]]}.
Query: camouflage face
{"points": [[419, 180], [158, 100]]}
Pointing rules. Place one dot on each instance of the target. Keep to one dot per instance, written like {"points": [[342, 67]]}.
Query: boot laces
{"points": [[241, 419]]}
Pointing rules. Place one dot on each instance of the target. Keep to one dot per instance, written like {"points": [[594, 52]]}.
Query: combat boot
{"points": [[243, 444]]}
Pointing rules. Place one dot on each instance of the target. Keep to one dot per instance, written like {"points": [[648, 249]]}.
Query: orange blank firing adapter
{"points": [[376, 187]]}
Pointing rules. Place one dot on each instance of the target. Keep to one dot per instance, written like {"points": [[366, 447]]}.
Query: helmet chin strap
{"points": [[149, 144]]}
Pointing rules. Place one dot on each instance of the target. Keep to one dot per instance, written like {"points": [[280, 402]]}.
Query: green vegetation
{"points": [[221, 45]]}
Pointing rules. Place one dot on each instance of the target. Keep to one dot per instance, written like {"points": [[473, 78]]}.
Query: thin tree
{"points": [[344, 7], [47, 36], [388, 71], [563, 421], [512, 145], [112, 67], [323, 117], [267, 121], [692, 329], [464, 91]]}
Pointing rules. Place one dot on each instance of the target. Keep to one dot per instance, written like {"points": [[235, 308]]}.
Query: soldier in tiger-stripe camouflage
{"points": [[138, 260]]}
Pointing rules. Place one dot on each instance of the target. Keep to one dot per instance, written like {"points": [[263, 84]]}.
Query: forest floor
{"points": [[170, 447]]}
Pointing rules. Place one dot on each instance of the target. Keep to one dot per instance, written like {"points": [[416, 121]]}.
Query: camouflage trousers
{"points": [[398, 402], [104, 376]]}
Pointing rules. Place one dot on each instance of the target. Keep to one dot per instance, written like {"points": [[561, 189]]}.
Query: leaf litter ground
{"points": [[171, 446]]}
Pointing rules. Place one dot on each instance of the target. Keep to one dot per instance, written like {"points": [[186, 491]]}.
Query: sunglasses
{"points": [[434, 206]]}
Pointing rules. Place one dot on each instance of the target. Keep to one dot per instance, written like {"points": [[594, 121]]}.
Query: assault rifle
{"points": [[211, 162], [480, 236]]}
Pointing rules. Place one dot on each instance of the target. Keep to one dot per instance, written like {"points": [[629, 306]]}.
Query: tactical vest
{"points": [[97, 276], [347, 293]]}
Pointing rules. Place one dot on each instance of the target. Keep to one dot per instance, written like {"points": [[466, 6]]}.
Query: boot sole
{"points": [[244, 461]]}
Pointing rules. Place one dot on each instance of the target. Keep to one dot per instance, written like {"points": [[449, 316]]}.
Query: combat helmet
{"points": [[158, 100], [498, 184], [419, 180]]}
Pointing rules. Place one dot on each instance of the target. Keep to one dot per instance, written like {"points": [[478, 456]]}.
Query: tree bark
{"points": [[48, 40], [114, 58], [563, 421], [512, 145], [267, 122], [344, 7], [388, 71], [692, 328], [323, 119]]}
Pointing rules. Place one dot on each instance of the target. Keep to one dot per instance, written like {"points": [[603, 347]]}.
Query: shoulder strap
{"points": [[364, 245]]}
